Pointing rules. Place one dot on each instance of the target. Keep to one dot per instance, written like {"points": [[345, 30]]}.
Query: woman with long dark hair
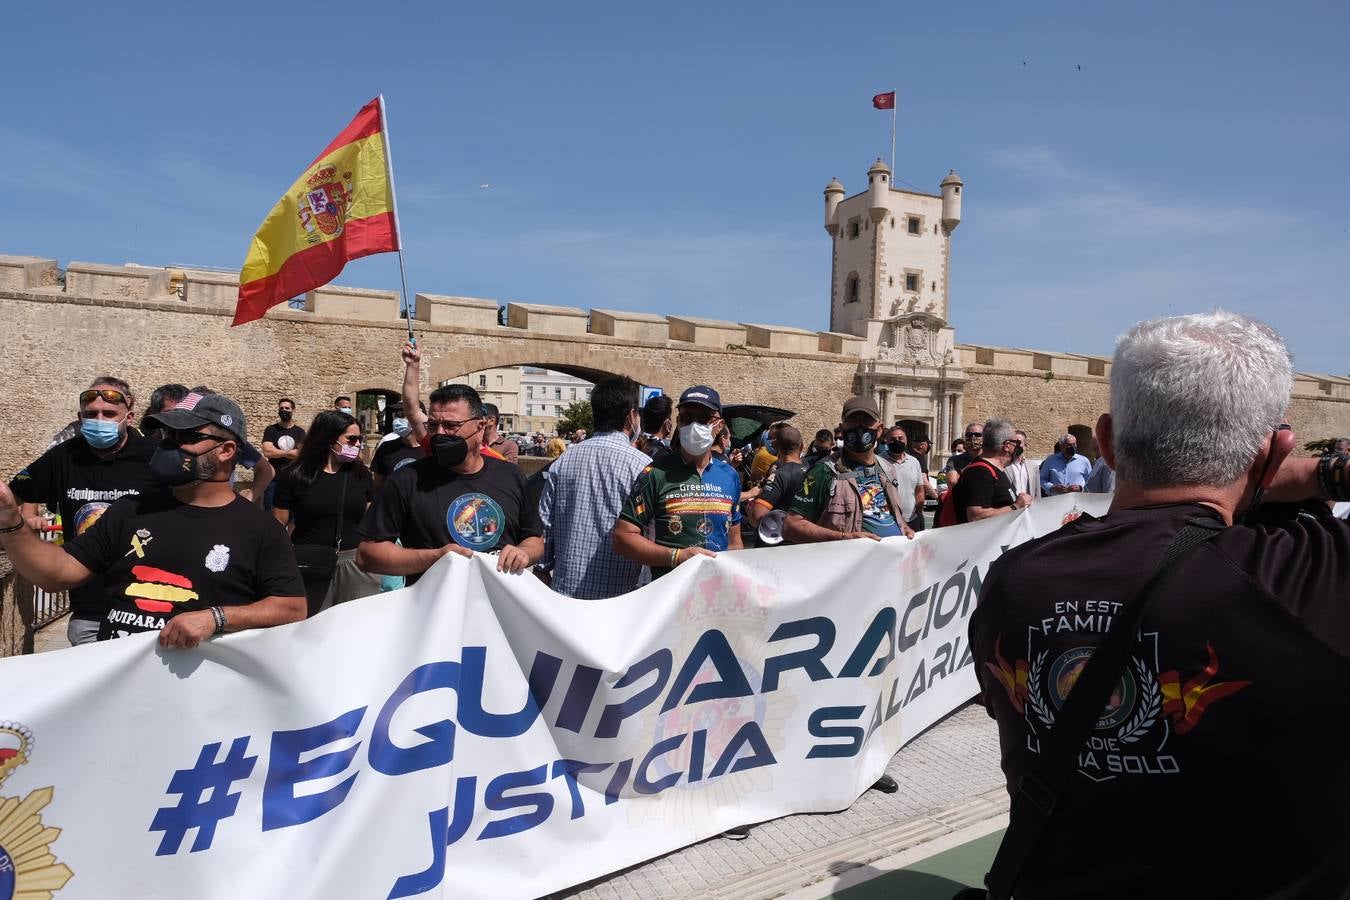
{"points": [[321, 499]]}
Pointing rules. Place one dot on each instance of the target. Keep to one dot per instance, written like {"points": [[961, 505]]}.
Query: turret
{"points": [[878, 187], [951, 201], [834, 192]]}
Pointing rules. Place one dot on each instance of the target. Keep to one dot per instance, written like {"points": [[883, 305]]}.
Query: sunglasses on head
{"points": [[108, 394]]}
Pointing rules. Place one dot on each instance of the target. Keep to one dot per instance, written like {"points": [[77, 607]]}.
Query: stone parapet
{"points": [[353, 303], [28, 273], [1322, 387], [781, 338], [218, 289], [547, 319], [706, 332], [631, 325], [1032, 362], [129, 282], [842, 344], [464, 312]]}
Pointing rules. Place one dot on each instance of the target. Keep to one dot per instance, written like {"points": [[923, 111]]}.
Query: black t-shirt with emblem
{"points": [[70, 479], [274, 433], [394, 455], [427, 506], [161, 557], [1219, 766], [981, 487]]}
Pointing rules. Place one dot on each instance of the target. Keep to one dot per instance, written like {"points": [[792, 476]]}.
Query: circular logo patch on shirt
{"points": [[475, 521], [1064, 674], [87, 515], [285, 442], [408, 461]]}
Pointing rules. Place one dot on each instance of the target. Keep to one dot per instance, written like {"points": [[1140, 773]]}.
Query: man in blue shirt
{"points": [[1065, 472], [584, 492]]}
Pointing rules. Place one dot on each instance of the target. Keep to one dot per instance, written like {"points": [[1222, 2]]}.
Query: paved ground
{"points": [[949, 780], [52, 637]]}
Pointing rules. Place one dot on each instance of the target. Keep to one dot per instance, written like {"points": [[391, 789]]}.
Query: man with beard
{"points": [[81, 477], [190, 562], [458, 499], [855, 493]]}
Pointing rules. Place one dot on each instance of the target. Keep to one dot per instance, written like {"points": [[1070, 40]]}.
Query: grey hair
{"points": [[1066, 437], [1192, 398], [996, 431]]}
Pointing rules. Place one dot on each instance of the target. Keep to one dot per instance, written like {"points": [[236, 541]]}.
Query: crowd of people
{"points": [[156, 538]]}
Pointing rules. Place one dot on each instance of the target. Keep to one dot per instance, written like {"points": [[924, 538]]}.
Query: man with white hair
{"points": [[985, 490], [1065, 471], [1218, 765]]}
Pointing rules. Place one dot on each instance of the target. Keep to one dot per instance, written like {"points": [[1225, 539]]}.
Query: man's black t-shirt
{"points": [[1218, 768], [71, 480], [394, 455], [782, 484], [981, 487], [161, 557], [428, 506], [274, 433], [314, 507]]}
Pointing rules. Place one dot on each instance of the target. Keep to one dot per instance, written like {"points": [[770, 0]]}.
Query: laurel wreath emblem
{"points": [[1034, 698], [1150, 705]]}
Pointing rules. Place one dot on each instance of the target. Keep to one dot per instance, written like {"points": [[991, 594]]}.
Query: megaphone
{"points": [[771, 527]]}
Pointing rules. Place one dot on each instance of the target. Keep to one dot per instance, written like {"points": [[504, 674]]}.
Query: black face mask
{"points": [[860, 439], [284, 415], [1069, 452], [897, 448], [1017, 452], [173, 466], [449, 450]]}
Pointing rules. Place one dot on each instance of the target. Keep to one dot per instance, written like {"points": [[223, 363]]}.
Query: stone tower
{"points": [[890, 278]]}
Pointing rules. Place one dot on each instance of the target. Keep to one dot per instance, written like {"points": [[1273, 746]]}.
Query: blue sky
{"points": [[670, 158]]}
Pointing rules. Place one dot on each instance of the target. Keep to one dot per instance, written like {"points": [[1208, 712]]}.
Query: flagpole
{"points": [[398, 228], [895, 102]]}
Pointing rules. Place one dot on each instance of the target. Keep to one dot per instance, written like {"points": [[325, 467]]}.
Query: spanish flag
{"points": [[340, 208]]}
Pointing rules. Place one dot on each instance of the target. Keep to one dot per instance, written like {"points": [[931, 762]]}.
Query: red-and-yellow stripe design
{"points": [[340, 208]]}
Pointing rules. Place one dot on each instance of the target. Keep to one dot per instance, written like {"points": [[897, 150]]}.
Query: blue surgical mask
{"points": [[101, 433], [349, 411], [402, 427]]}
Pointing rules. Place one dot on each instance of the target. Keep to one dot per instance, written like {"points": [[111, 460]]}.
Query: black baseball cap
{"points": [[196, 410], [703, 396]]}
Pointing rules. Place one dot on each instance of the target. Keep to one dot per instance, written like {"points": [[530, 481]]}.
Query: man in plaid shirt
{"points": [[583, 494]]}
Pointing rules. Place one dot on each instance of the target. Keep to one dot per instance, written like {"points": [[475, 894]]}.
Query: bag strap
{"points": [[1039, 791], [342, 507]]}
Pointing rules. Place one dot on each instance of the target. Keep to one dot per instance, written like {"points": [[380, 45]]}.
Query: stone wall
{"points": [[58, 341], [16, 636]]}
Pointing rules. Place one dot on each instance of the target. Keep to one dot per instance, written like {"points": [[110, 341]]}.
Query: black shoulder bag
{"points": [[1039, 790], [315, 561]]}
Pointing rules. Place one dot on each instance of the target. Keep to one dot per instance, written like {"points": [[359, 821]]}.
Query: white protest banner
{"points": [[477, 735]]}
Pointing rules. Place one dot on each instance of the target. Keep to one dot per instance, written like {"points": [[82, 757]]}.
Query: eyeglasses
{"points": [[108, 394], [180, 438], [351, 440], [435, 425]]}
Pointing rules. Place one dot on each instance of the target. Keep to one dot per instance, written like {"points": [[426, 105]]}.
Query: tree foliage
{"points": [[577, 415]]}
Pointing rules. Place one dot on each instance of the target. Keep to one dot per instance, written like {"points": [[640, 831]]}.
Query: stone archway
{"points": [[1087, 443]]}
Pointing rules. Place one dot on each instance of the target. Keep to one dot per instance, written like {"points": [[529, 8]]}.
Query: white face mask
{"points": [[839, 445], [696, 438]]}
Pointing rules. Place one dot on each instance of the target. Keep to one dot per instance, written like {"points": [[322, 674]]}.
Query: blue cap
{"points": [[703, 396]]}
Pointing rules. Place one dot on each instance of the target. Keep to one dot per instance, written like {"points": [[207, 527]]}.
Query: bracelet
{"points": [[1331, 477], [17, 526], [219, 615], [674, 557]]}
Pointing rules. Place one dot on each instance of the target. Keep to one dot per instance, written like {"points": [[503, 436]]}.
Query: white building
{"points": [[544, 394], [501, 388], [891, 255]]}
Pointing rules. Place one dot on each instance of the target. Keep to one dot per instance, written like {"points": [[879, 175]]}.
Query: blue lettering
{"points": [[495, 799], [711, 647], [614, 714], [439, 748], [810, 660], [281, 808], [761, 755], [880, 632], [818, 725]]}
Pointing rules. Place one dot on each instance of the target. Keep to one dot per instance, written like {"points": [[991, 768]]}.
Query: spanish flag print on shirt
{"points": [[340, 208]]}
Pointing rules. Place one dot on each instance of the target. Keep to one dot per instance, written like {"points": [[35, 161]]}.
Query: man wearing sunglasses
{"points": [[190, 561], [81, 477], [458, 499], [957, 462]]}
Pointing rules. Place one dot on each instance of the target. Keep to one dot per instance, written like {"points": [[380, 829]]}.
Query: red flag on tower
{"points": [[884, 101]]}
